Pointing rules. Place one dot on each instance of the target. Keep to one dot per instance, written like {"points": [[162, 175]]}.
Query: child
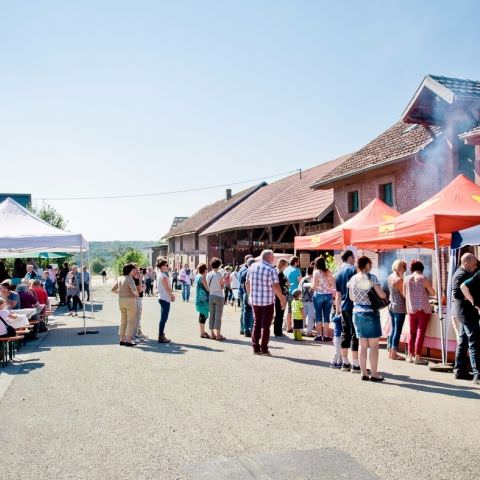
{"points": [[298, 315], [337, 333]]}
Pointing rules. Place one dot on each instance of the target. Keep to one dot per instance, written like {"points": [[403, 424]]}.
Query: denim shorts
{"points": [[367, 324]]}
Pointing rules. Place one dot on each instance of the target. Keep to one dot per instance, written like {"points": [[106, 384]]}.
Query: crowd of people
{"points": [[27, 286], [346, 302]]}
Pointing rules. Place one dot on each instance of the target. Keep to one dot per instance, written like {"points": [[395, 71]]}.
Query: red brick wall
{"points": [[413, 183]]}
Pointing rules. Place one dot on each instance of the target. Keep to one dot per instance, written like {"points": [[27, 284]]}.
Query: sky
{"points": [[115, 97]]}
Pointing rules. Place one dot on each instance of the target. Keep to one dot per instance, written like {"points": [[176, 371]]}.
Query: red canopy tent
{"points": [[429, 225], [454, 208], [339, 237]]}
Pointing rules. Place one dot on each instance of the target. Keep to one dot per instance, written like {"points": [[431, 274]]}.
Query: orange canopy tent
{"points": [[454, 208], [339, 237]]}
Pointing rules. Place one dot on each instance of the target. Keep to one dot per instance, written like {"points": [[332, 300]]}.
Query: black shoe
{"points": [[128, 344], [242, 332], [248, 334], [463, 376], [346, 367], [267, 353], [365, 377], [257, 352], [356, 369], [377, 379]]}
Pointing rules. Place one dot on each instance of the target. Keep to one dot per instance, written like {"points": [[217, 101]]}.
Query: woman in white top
{"points": [[165, 296], [216, 300]]}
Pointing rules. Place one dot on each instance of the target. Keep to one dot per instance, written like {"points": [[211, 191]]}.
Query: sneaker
{"points": [[163, 339], [338, 365], [463, 376], [248, 333], [257, 352], [346, 367], [476, 380], [318, 338], [327, 339], [356, 369], [410, 359], [241, 332], [267, 353]]}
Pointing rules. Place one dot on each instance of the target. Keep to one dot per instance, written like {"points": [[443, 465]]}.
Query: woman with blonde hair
{"points": [[324, 290], [397, 309]]}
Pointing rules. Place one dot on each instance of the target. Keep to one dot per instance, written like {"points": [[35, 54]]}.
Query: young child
{"points": [[298, 314], [337, 333]]}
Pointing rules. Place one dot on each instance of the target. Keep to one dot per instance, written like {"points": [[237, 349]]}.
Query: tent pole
{"points": [[439, 296], [83, 292], [90, 282]]}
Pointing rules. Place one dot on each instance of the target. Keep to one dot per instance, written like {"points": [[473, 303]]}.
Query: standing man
{"points": [[86, 283], [345, 305], [466, 291], [184, 277], [246, 317], [294, 275], [262, 285], [61, 282]]}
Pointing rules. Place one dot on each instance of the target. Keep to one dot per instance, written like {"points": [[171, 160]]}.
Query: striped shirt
{"points": [[262, 276]]}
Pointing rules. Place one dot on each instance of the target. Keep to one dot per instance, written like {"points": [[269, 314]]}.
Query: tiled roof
{"points": [[471, 133], [399, 141], [460, 87], [285, 201], [208, 214]]}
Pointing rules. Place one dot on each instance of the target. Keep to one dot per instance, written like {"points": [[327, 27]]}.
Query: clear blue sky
{"points": [[116, 97]]}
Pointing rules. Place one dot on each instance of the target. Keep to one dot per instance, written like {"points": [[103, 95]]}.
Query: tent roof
{"points": [[339, 237], [470, 236], [23, 231], [454, 208]]}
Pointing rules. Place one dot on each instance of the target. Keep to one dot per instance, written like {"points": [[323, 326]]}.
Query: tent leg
{"points": [[90, 284], [439, 298], [84, 331]]}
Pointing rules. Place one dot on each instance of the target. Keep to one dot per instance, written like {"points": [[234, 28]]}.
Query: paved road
{"points": [[86, 408]]}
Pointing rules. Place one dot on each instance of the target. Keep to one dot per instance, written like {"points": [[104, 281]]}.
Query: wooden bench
{"points": [[7, 348]]}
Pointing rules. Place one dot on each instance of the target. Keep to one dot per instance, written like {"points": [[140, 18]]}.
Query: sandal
{"points": [[220, 338], [204, 335]]}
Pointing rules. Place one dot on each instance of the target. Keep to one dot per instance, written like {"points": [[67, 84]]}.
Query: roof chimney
{"points": [[228, 194]]}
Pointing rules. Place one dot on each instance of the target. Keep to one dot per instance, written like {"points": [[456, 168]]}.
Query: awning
{"points": [[454, 208], [339, 237]]}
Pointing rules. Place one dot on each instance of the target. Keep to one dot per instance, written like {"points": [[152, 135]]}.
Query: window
{"points": [[196, 242], [386, 193], [353, 203], [181, 244]]}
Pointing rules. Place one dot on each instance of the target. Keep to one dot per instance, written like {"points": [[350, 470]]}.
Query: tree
{"points": [[128, 256], [97, 265], [50, 215]]}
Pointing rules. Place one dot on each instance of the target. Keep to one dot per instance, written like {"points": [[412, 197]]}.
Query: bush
{"points": [[128, 256], [98, 264]]}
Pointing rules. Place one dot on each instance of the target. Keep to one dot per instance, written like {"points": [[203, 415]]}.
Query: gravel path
{"points": [[81, 407]]}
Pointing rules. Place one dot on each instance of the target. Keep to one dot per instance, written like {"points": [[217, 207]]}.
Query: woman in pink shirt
{"points": [[417, 290]]}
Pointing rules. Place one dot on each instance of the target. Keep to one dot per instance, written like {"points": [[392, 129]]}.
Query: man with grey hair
{"points": [[466, 292], [262, 285]]}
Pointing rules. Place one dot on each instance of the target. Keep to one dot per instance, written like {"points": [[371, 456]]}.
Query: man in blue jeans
{"points": [[466, 291], [184, 277], [246, 316]]}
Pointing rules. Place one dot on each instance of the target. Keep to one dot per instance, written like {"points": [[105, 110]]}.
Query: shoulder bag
{"points": [[376, 302]]}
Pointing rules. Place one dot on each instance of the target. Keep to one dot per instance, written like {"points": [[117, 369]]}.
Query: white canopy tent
{"points": [[21, 232]]}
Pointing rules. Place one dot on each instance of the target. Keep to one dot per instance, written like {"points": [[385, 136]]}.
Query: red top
{"points": [[41, 294]]}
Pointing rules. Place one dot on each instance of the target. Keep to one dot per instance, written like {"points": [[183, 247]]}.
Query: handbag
{"points": [[376, 302], [11, 332]]}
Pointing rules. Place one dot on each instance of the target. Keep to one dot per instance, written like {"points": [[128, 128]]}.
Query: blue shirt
{"points": [[242, 278], [341, 279], [292, 273]]}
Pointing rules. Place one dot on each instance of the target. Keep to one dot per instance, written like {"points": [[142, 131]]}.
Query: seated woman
{"points": [[5, 317], [7, 291]]}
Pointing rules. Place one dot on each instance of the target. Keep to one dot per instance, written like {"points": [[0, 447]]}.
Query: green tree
{"points": [[128, 256], [97, 265], [50, 215]]}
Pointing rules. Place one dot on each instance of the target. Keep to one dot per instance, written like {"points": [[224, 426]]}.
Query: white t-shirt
{"points": [[234, 280], [214, 285], [162, 291]]}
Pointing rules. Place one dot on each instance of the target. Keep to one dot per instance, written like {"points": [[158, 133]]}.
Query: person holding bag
{"points": [[365, 317]]}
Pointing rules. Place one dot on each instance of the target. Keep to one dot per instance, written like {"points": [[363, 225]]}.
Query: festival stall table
{"points": [[28, 312], [339, 237], [430, 225]]}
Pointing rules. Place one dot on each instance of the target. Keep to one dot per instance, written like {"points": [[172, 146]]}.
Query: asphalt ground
{"points": [[82, 407]]}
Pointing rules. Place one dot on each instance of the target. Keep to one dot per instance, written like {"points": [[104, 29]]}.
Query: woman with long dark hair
{"points": [[202, 298]]}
